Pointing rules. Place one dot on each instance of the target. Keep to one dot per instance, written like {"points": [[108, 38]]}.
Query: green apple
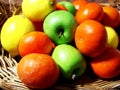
{"points": [[13, 29], [60, 26], [69, 6], [70, 61], [113, 39], [37, 10]]}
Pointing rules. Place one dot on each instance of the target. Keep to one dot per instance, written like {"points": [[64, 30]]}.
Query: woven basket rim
{"points": [[86, 82]]}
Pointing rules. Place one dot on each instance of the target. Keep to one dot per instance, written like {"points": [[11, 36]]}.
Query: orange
{"points": [[91, 38], [89, 11], [35, 42], [38, 70], [111, 16], [79, 3], [107, 65]]}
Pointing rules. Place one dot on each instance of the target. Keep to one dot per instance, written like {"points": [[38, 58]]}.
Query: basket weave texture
{"points": [[8, 73]]}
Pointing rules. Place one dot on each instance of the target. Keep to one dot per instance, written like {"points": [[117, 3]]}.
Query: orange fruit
{"points": [[107, 65], [89, 11], [35, 42], [91, 38], [38, 70], [79, 3], [111, 16]]}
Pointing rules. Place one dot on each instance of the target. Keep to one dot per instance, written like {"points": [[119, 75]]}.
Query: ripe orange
{"points": [[38, 70], [107, 65], [89, 11], [79, 3], [91, 38], [35, 42], [111, 16]]}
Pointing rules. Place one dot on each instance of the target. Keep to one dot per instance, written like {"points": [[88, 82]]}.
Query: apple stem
{"points": [[73, 76], [60, 33], [52, 3]]}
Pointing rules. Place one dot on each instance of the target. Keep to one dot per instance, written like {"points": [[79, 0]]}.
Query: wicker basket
{"points": [[8, 73]]}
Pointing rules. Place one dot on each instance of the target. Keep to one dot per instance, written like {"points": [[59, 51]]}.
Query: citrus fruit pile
{"points": [[55, 39]]}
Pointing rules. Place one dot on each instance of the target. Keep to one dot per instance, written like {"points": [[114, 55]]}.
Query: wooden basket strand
{"points": [[8, 74], [9, 79]]}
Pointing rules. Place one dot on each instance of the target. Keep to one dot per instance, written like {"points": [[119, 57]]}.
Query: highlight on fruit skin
{"points": [[71, 62], [37, 10], [39, 41], [69, 6], [90, 11], [113, 37], [91, 38], [38, 71], [107, 65], [60, 26], [8, 65], [13, 29], [111, 17]]}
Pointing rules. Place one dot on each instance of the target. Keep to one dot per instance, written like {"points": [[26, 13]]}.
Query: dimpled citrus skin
{"points": [[90, 11], [107, 65], [38, 71], [91, 38], [35, 42], [13, 29], [111, 17]]}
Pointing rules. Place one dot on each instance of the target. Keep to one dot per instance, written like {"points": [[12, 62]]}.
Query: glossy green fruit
{"points": [[70, 61], [69, 6], [60, 26]]}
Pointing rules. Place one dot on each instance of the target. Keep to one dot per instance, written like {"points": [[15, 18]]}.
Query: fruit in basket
{"points": [[70, 61], [38, 71], [35, 42], [37, 10], [60, 26], [60, 7], [107, 65], [69, 6], [91, 38], [113, 38], [79, 3], [111, 17], [38, 26], [13, 29], [91, 10]]}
